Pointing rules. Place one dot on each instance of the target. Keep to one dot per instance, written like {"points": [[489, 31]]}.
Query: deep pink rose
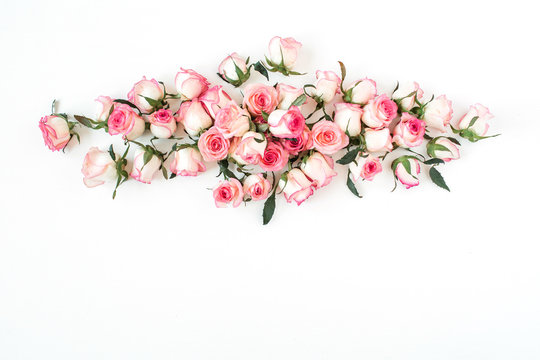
{"points": [[228, 192], [286, 123], [124, 120], [365, 167], [409, 132], [298, 144], [275, 157]]}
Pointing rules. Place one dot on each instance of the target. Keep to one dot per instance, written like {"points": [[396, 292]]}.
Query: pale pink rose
{"points": [[438, 113], [286, 123], [214, 99], [194, 117], [98, 167], [227, 68], [228, 192], [151, 89], [297, 187], [124, 120], [378, 140], [212, 145], [361, 92], [257, 187], [409, 132], [250, 148], [406, 178], [140, 171], [319, 169], [328, 138], [103, 107], [187, 162], [55, 131], [259, 98], [286, 95], [299, 143], [443, 149], [275, 157], [379, 112], [480, 126], [406, 94], [190, 84], [162, 123], [349, 118], [232, 121], [326, 87], [283, 51], [365, 167]]}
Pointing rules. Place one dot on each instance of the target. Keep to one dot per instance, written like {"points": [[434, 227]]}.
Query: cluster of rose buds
{"points": [[267, 145]]}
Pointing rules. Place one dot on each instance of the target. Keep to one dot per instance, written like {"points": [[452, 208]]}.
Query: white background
{"points": [[160, 273]]}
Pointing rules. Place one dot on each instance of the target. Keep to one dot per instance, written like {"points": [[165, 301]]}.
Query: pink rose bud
{"points": [[275, 157], [379, 112], [144, 172], [55, 131], [187, 162], [124, 120], [365, 167], [259, 98], [228, 69], [250, 148], [480, 126], [103, 108], [349, 118], [194, 117], [162, 124], [228, 192], [406, 94], [443, 148], [146, 89], [214, 99], [378, 140], [328, 138], [257, 187], [286, 123], [286, 95], [297, 187], [299, 143], [232, 121], [361, 92], [409, 132], [283, 52], [213, 145], [438, 113], [327, 86], [190, 84], [406, 170], [319, 169], [98, 167]]}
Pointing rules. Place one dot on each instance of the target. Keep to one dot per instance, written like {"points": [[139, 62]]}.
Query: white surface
{"points": [[159, 273]]}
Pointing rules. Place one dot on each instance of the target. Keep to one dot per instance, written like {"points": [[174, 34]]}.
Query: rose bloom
{"points": [[438, 113], [232, 121], [365, 167], [145, 88], [162, 123], [227, 68], [55, 131], [228, 192], [297, 187], [140, 171], [434, 149], [480, 126], [405, 95], [298, 144], [190, 84], [103, 108], [328, 138], [257, 187], [275, 157], [286, 95], [361, 92], [212, 145], [286, 123], [349, 118], [187, 162], [283, 51], [378, 140], [124, 120], [98, 167], [194, 117], [250, 148], [379, 112], [409, 132], [409, 180], [319, 169], [214, 99], [259, 98], [327, 86]]}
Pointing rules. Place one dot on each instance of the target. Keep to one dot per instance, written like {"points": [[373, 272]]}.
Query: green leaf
{"points": [[83, 120], [434, 161], [259, 67], [264, 115], [349, 157], [147, 157], [471, 124], [343, 71], [111, 153], [299, 100], [164, 172], [269, 208], [350, 185], [437, 178], [153, 102], [455, 141]]}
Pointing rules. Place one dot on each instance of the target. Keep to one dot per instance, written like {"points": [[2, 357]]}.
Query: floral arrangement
{"points": [[268, 145]]}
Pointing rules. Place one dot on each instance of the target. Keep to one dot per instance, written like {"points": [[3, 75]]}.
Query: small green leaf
{"points": [[83, 120], [153, 102], [349, 157], [269, 208], [434, 161], [299, 100], [350, 185], [111, 153], [343, 71], [471, 124], [437, 178], [455, 141], [259, 67]]}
